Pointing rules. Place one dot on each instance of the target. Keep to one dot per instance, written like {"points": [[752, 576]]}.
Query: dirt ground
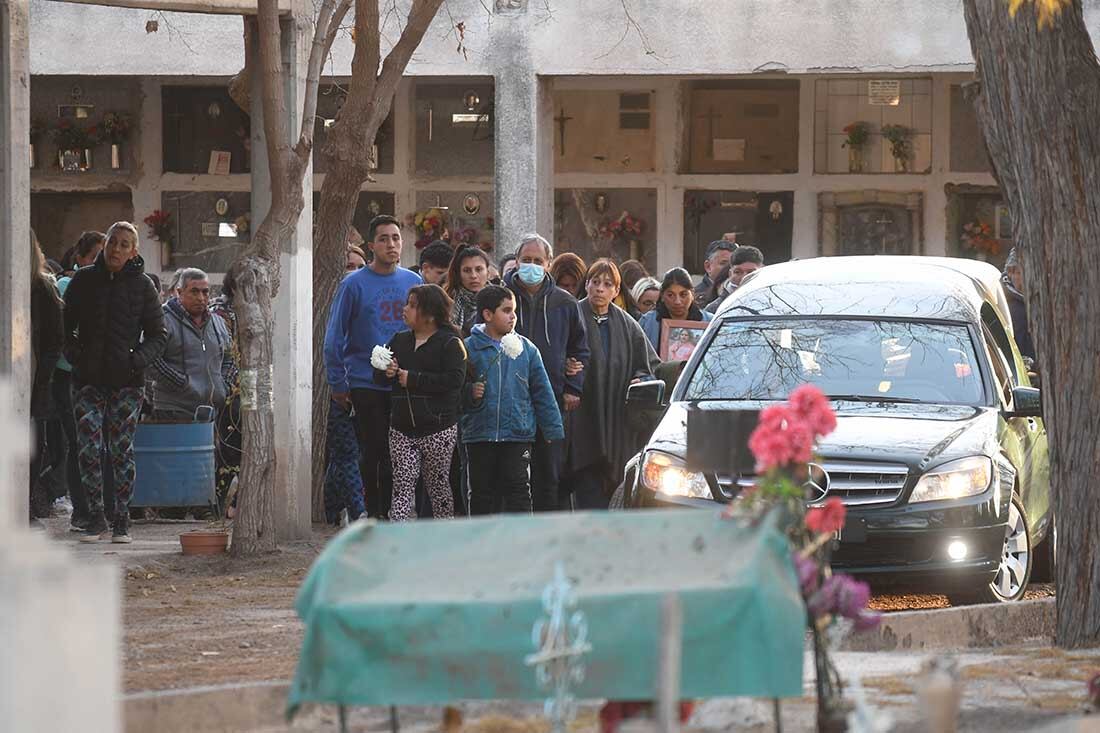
{"points": [[198, 621]]}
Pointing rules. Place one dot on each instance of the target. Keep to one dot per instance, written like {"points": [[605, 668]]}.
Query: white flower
{"points": [[511, 344], [380, 358]]}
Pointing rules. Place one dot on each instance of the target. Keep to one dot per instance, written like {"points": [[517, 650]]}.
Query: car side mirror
{"points": [[645, 404], [1026, 402]]}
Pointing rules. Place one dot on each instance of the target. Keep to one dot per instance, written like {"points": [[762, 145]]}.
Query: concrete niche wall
{"points": [[54, 96], [581, 227], [202, 237], [446, 146]]}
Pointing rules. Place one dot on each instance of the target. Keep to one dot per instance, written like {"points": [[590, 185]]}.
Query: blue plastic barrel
{"points": [[175, 464]]}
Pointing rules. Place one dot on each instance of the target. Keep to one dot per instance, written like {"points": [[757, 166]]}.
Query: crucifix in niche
{"points": [[562, 121], [884, 221], [710, 117]]}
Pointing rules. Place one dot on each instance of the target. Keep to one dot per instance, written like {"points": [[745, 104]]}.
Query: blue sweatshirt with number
{"points": [[365, 313]]}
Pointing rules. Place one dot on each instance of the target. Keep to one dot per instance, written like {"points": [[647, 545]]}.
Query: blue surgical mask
{"points": [[530, 273]]}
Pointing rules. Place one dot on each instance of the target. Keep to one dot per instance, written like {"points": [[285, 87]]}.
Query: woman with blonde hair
{"points": [[114, 330]]}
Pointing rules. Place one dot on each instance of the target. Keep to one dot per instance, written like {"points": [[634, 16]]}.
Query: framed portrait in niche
{"points": [[679, 339]]}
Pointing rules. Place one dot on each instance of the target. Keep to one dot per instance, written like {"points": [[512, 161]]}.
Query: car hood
{"points": [[920, 436]]}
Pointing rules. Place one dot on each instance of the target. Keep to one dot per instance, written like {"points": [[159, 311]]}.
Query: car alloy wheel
{"points": [[1015, 568]]}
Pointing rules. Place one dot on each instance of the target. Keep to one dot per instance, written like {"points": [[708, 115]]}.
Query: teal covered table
{"points": [[431, 612]]}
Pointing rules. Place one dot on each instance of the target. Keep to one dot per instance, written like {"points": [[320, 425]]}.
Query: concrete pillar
{"points": [[293, 353], [15, 216], [523, 151]]}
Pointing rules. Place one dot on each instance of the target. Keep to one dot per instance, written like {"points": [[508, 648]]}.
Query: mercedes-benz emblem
{"points": [[817, 483]]}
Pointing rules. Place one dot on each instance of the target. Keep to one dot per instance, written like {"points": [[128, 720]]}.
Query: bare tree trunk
{"points": [[1039, 106], [347, 157], [257, 271]]}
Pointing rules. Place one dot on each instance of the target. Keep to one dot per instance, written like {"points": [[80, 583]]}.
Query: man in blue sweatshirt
{"points": [[367, 312]]}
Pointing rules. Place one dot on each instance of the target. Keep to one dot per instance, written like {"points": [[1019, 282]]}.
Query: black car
{"points": [[940, 453]]}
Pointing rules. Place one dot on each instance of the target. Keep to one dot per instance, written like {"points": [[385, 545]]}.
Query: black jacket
{"points": [[114, 326], [46, 342], [437, 370], [1017, 309], [552, 320]]}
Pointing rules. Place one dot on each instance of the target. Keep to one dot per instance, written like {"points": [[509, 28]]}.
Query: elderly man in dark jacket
{"points": [[114, 329], [195, 366], [549, 317]]}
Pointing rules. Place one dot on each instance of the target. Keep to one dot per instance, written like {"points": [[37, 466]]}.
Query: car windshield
{"points": [[866, 360]]}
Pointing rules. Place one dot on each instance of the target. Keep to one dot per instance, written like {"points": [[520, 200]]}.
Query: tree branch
{"points": [[420, 18], [335, 25], [317, 53]]}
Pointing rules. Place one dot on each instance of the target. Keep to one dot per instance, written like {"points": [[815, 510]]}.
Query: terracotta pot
{"points": [[204, 542]]}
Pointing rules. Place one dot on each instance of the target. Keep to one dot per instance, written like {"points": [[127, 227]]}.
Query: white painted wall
{"points": [[590, 37]]}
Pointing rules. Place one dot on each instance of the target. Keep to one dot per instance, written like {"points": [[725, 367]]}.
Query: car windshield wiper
{"points": [[874, 398]]}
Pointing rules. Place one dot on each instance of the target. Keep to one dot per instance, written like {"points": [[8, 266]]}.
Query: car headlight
{"points": [[954, 480], [669, 475]]}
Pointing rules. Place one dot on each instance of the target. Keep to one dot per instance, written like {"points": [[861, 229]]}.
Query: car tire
{"points": [[1044, 568], [1017, 559], [618, 498]]}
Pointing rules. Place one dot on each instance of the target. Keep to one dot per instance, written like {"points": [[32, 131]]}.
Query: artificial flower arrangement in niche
{"points": [[856, 136], [436, 224], [160, 226], [783, 446], [978, 236], [900, 138], [623, 225]]}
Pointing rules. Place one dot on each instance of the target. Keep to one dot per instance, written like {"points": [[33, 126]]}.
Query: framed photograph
{"points": [[679, 339]]}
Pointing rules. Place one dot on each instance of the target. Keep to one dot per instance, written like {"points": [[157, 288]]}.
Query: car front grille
{"points": [[856, 483]]}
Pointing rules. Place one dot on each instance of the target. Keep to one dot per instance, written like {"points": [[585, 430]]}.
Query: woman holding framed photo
{"points": [[676, 303]]}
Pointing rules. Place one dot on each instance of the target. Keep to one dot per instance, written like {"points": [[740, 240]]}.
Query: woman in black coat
{"points": [[427, 372], [114, 329], [599, 441]]}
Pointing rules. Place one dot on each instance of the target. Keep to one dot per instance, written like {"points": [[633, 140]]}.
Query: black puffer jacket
{"points": [[437, 370], [106, 315]]}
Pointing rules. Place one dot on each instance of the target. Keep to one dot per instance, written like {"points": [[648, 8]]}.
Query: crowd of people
{"points": [[110, 350], [460, 387]]}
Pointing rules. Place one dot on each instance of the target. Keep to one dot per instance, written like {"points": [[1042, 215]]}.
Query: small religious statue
{"points": [[601, 203]]}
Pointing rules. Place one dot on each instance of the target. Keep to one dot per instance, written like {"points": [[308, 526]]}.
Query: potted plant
{"points": [[214, 538], [901, 145], [74, 146], [115, 129], [858, 133]]}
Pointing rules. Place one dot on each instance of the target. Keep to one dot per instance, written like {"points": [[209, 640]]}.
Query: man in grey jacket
{"points": [[193, 370]]}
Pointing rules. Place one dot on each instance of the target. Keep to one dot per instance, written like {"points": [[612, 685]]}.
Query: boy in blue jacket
{"points": [[507, 396]]}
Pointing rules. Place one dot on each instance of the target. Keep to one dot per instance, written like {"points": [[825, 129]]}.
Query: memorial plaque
{"points": [[884, 92]]}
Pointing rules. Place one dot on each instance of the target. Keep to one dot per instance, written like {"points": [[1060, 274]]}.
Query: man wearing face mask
{"points": [[549, 316]]}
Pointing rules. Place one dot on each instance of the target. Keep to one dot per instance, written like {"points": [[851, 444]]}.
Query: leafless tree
{"points": [[257, 270]]}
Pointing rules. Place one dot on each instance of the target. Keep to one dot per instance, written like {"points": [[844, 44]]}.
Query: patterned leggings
{"points": [[111, 416], [430, 455]]}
